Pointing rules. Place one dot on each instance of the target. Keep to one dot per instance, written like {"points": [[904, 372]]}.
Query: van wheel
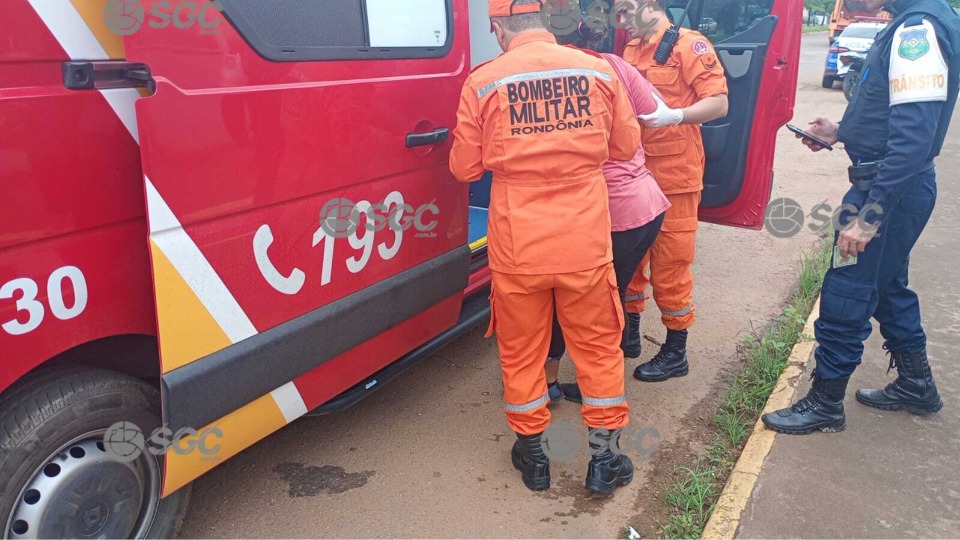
{"points": [[60, 480], [827, 81]]}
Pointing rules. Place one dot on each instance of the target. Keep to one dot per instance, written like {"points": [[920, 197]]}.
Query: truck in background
{"points": [[843, 15]]}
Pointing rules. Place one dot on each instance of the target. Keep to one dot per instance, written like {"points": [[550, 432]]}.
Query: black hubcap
{"points": [[84, 492]]}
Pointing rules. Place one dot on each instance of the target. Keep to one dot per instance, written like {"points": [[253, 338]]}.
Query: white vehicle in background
{"points": [[854, 42], [852, 47], [708, 25]]}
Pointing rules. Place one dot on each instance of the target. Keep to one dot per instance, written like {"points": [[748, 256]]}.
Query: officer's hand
{"points": [[853, 240], [663, 116], [823, 129]]}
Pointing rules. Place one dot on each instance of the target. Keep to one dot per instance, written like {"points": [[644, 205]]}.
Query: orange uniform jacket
{"points": [[675, 154], [544, 120]]}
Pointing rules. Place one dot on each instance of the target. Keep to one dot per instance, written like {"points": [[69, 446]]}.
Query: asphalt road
{"points": [[428, 456]]}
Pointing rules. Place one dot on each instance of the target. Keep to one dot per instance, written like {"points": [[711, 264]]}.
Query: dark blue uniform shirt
{"points": [[913, 131]]}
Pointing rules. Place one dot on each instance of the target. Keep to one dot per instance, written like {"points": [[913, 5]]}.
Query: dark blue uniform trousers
{"points": [[876, 286]]}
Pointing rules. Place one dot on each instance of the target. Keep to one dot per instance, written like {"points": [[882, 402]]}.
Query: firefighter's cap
{"points": [[506, 8]]}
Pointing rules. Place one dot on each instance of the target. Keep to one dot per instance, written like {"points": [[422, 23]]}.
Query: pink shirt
{"points": [[635, 197]]}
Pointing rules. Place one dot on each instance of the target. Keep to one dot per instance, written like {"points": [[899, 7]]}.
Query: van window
{"points": [[303, 30], [720, 19]]}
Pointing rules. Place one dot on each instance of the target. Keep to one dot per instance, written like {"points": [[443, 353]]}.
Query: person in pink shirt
{"points": [[637, 205]]}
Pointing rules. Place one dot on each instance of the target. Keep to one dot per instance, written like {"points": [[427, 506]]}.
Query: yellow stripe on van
{"points": [[187, 330], [93, 13], [240, 430], [478, 244]]}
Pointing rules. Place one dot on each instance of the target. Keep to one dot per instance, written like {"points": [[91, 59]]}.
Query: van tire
{"points": [[45, 417], [827, 81]]}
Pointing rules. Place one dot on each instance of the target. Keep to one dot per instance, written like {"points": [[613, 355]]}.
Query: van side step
{"points": [[474, 310]]}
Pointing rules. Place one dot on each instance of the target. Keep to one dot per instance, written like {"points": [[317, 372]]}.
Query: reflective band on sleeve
{"points": [[604, 402], [542, 75], [635, 298], [526, 407], [680, 313]]}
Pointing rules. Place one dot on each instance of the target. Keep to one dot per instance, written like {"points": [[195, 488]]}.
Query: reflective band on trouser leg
{"points": [[588, 304], [635, 297], [679, 313], [671, 261], [604, 402], [523, 314], [527, 407]]}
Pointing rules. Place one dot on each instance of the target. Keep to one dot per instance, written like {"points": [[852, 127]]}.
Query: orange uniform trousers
{"points": [[670, 261], [588, 306]]}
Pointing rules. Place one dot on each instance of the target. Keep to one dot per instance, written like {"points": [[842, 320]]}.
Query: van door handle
{"points": [[107, 74], [436, 136]]}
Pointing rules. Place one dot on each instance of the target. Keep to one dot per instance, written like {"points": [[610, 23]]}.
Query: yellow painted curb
{"points": [[725, 521]]}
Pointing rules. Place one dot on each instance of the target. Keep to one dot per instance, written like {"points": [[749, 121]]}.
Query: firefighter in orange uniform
{"points": [[544, 118], [694, 91]]}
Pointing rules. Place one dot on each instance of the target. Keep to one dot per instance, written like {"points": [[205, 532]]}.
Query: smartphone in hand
{"points": [[809, 137]]}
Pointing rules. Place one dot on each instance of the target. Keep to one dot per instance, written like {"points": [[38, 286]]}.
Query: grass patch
{"points": [[695, 488], [815, 28]]}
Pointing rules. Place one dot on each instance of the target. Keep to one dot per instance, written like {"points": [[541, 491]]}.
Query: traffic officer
{"points": [[892, 130], [694, 91], [545, 118]]}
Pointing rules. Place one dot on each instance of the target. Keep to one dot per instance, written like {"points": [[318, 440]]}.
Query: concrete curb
{"points": [[725, 520]]}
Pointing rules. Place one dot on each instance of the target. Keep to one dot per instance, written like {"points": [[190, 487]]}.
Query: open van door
{"points": [[304, 228], [758, 42]]}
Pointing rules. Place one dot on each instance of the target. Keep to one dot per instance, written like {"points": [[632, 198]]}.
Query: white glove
{"points": [[663, 116]]}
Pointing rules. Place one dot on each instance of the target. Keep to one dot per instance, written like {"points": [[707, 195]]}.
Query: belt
{"points": [[863, 175]]}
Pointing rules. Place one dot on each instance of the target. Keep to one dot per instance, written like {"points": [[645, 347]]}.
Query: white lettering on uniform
{"points": [[918, 71]]}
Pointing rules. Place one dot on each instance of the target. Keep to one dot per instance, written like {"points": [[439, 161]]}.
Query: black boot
{"points": [[633, 348], [571, 392], [822, 410], [670, 362], [555, 392], [529, 459], [914, 387], [609, 468]]}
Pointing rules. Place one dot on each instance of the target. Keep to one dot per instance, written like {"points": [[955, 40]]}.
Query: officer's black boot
{"points": [[529, 459], [609, 468], [914, 387], [822, 410], [633, 348], [670, 362]]}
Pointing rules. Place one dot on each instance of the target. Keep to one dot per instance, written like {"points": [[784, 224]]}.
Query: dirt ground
{"points": [[428, 455]]}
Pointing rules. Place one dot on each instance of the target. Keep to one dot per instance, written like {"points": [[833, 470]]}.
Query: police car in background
{"points": [[830, 67], [852, 45]]}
